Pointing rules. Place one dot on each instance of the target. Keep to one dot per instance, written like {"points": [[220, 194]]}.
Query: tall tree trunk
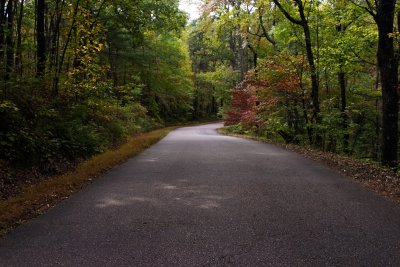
{"points": [[56, 46], [232, 45], [254, 52], [41, 38], [341, 28], [69, 36], [303, 103], [9, 39], [311, 63], [241, 59], [18, 58], [383, 12], [2, 29], [60, 62], [343, 104], [387, 63]]}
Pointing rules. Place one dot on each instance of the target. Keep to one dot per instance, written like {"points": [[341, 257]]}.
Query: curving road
{"points": [[197, 198]]}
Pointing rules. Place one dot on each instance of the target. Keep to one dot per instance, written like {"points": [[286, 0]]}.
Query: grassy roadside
{"points": [[37, 198], [370, 175]]}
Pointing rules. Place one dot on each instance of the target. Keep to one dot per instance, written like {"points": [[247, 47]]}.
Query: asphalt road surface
{"points": [[198, 198]]}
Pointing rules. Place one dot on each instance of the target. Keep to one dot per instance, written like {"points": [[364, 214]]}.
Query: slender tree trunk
{"points": [[60, 62], [18, 58], [341, 28], [343, 104], [10, 39], [232, 46], [41, 38], [56, 46], [311, 63], [76, 9], [241, 58], [2, 29], [253, 51]]}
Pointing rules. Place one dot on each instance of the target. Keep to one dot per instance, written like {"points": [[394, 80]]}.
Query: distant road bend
{"points": [[198, 198]]}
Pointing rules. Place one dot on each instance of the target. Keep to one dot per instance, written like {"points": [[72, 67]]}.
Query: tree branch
{"points": [[287, 15], [369, 9], [265, 32]]}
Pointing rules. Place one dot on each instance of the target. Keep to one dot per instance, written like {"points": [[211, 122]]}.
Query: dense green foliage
{"points": [[308, 71], [80, 76]]}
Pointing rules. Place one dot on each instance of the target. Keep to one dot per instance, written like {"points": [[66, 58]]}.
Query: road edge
{"points": [[382, 181], [37, 198]]}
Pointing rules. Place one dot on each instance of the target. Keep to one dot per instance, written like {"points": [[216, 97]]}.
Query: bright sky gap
{"points": [[190, 7]]}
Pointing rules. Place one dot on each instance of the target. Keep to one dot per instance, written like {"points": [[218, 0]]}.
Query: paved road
{"points": [[201, 199]]}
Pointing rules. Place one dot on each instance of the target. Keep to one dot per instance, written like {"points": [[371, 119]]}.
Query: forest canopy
{"points": [[78, 77]]}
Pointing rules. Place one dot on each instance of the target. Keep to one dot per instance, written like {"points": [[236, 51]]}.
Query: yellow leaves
{"points": [[100, 47], [90, 36], [394, 35], [8, 106]]}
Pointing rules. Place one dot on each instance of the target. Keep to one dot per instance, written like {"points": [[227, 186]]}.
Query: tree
{"points": [[383, 12], [77, 75], [303, 22], [329, 46], [41, 37]]}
